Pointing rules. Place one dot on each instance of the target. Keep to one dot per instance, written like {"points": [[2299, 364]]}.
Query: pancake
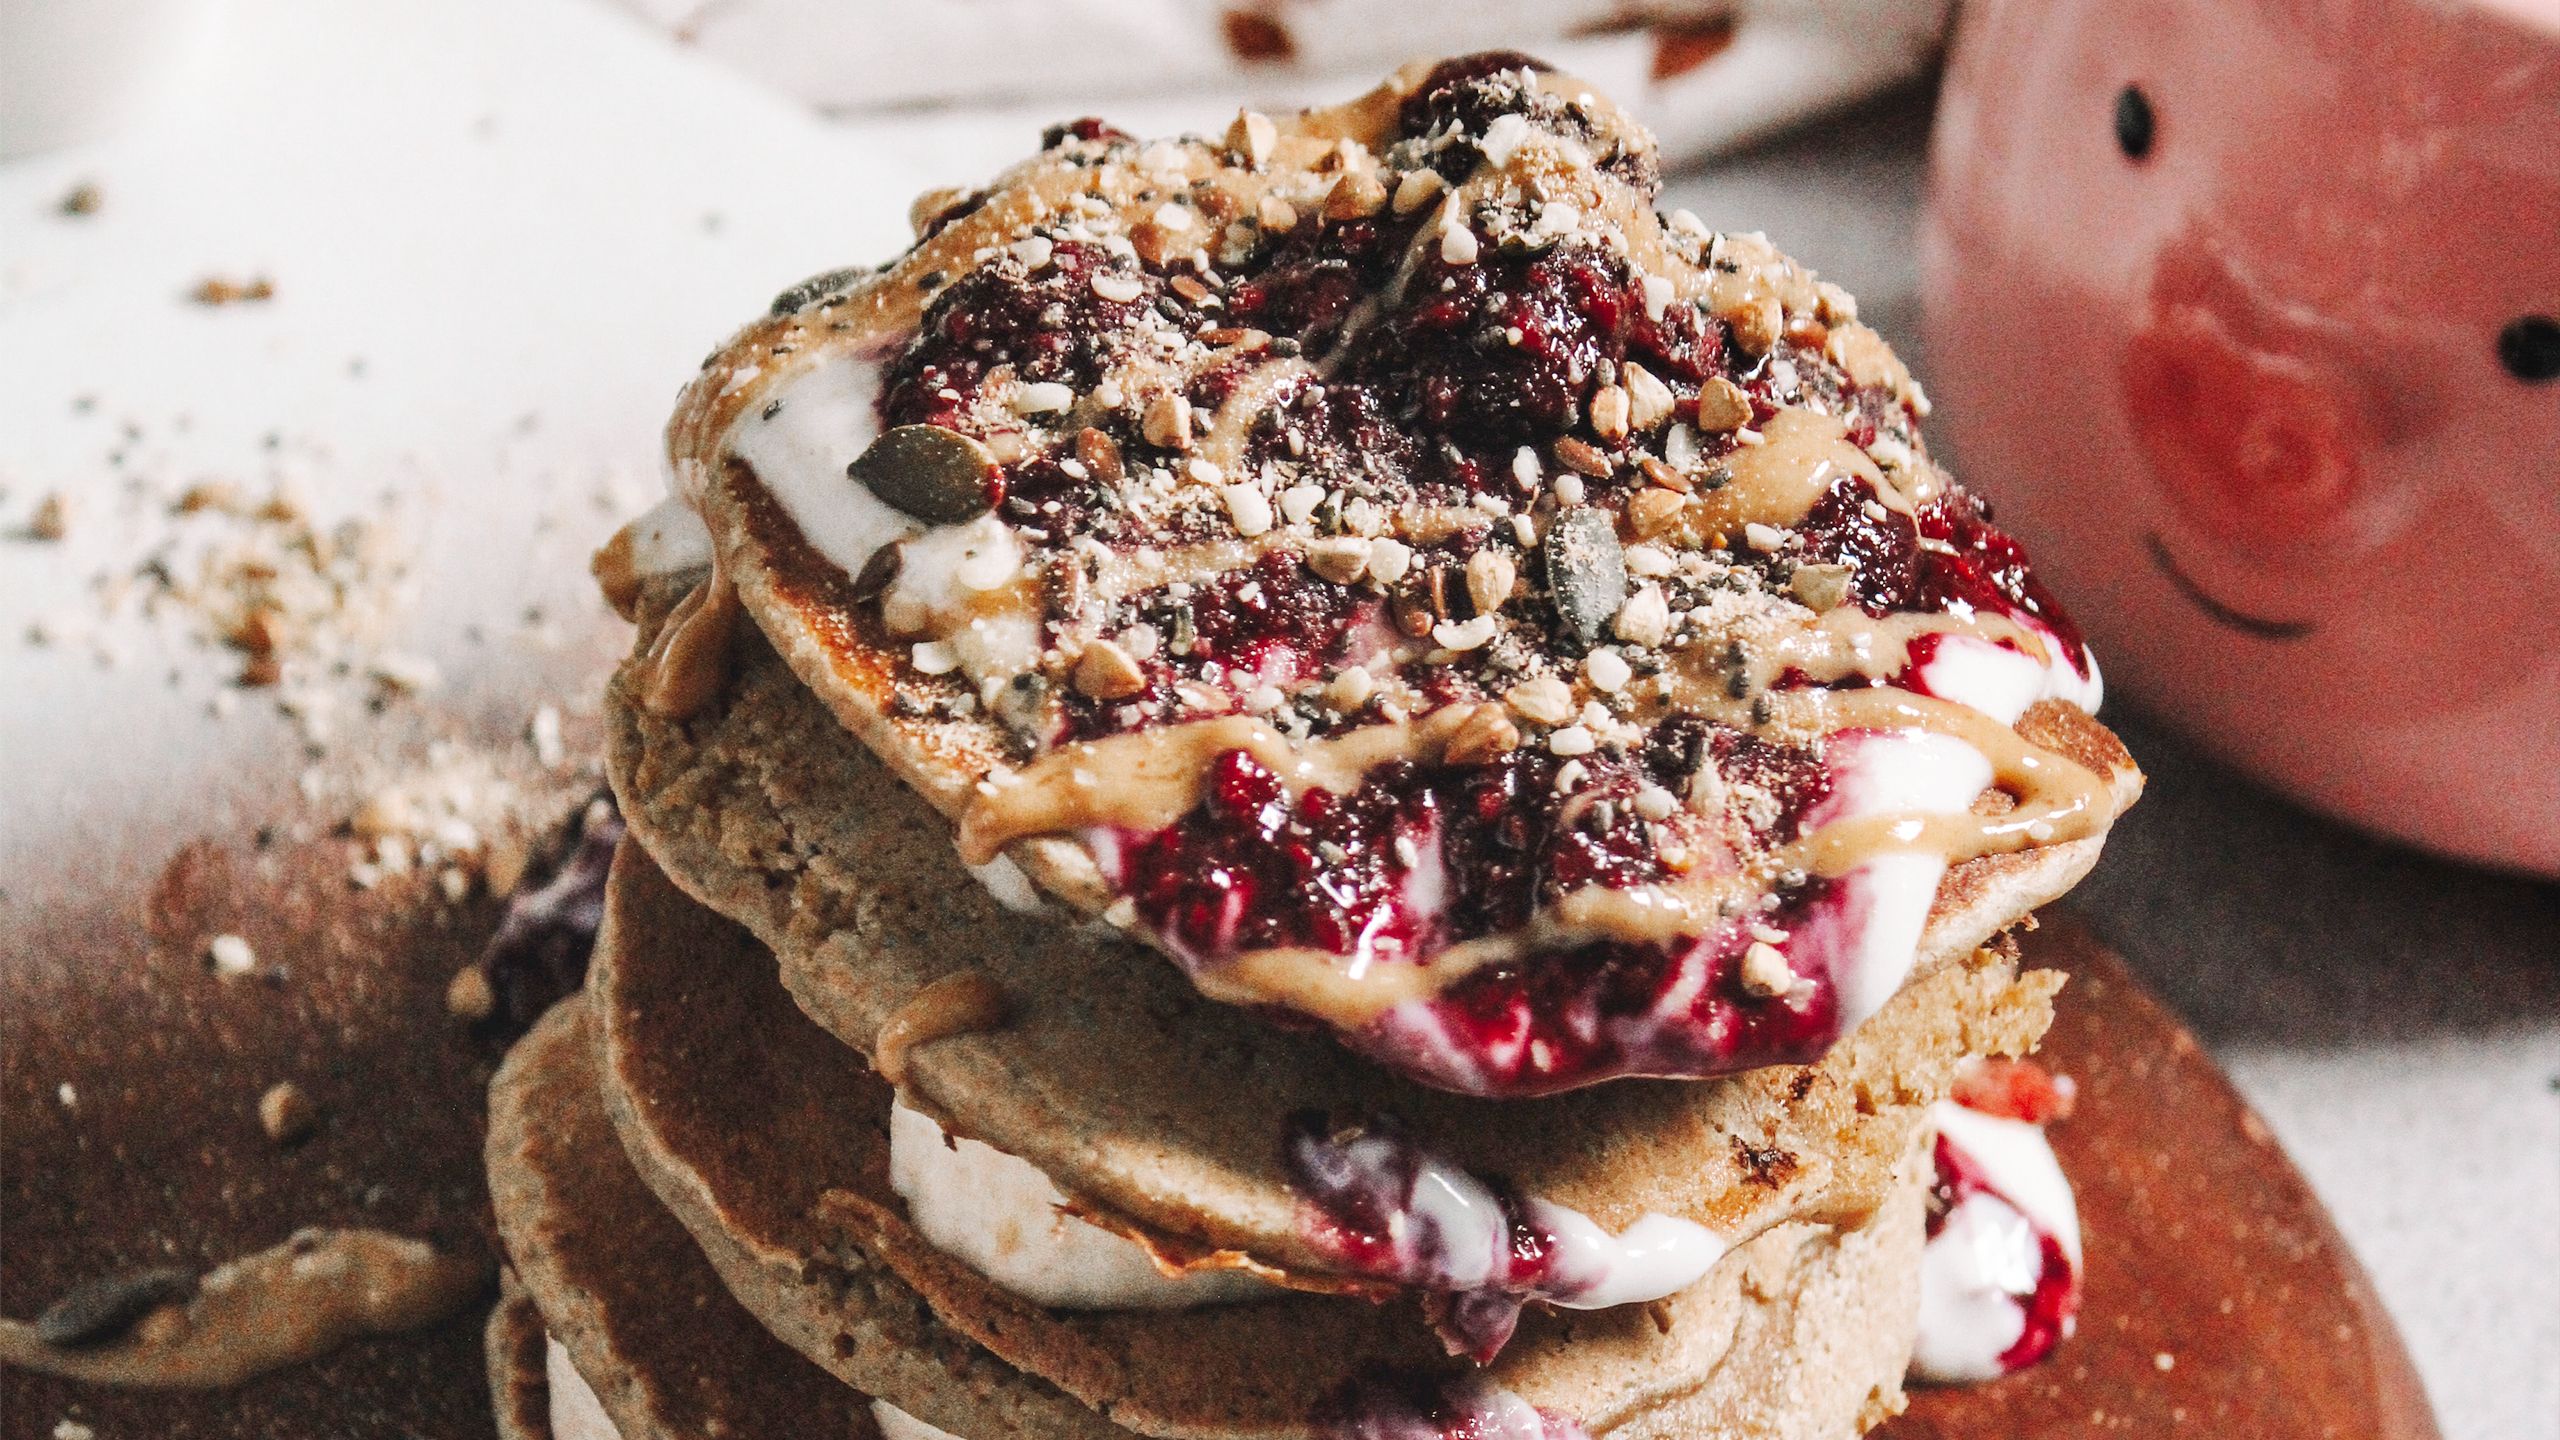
{"points": [[516, 1343], [981, 700], [1148, 1103], [767, 1138], [607, 1273]]}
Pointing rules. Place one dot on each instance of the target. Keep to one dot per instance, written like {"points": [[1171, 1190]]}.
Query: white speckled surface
{"points": [[528, 219]]}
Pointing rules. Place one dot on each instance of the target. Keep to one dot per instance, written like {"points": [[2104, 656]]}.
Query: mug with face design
{"points": [[2246, 314]]}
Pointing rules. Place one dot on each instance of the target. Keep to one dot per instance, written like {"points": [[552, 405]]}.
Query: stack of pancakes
{"points": [[846, 1134]]}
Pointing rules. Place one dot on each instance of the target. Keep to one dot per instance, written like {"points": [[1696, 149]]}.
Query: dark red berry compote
{"points": [[1385, 1206], [2000, 1277], [1375, 558]]}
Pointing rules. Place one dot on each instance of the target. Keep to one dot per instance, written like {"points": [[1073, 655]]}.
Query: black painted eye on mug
{"points": [[2135, 124], [2529, 348]]}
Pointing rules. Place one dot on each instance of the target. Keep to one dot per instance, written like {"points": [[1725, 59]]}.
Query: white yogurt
{"points": [[1988, 1254], [2002, 682], [669, 538], [1450, 1231], [1007, 1220], [897, 1424], [828, 415], [1010, 885], [1871, 938], [576, 1413]]}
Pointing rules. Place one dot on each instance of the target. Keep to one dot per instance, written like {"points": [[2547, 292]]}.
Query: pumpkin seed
{"points": [[102, 1310], [939, 476], [1586, 571], [828, 283]]}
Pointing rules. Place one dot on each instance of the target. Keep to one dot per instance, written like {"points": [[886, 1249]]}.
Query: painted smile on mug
{"points": [[2220, 613]]}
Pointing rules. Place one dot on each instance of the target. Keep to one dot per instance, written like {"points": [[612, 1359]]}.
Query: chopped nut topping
{"points": [[1249, 509], [1607, 670], [1547, 700], [1658, 473], [1723, 407], [1646, 620], [1342, 559], [1458, 245], [1758, 324], [1251, 137], [1167, 423], [468, 995], [1650, 401], [1490, 576], [1581, 457], [1389, 559], [1610, 412], [1464, 635], [1416, 189], [1765, 971], [1100, 454], [1650, 512], [1485, 734], [1355, 196], [1822, 588], [231, 957], [1107, 672]]}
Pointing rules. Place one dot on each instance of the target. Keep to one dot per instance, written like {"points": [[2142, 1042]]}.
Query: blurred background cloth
{"points": [[1708, 75]]}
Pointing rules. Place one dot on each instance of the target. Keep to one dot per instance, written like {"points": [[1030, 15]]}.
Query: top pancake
{"points": [[1148, 1103], [1594, 510]]}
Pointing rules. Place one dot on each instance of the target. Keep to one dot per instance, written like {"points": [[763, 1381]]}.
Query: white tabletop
{"points": [[503, 231]]}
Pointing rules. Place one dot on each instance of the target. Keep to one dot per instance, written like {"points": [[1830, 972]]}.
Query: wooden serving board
{"points": [[2206, 1247]]}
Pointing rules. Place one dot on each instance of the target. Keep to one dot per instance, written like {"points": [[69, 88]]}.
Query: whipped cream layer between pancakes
{"points": [[1026, 661]]}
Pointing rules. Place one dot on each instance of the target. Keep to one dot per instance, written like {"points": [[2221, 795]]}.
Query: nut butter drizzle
{"points": [[263, 1312], [962, 1003], [687, 663], [1149, 779]]}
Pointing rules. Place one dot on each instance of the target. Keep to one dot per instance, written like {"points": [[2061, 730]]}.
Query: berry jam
{"points": [[1050, 325], [1999, 1296], [1448, 364], [1382, 1205], [2014, 1090], [1471, 1246], [2050, 1308], [540, 950]]}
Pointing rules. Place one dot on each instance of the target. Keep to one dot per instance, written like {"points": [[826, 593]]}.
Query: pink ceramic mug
{"points": [[2247, 315]]}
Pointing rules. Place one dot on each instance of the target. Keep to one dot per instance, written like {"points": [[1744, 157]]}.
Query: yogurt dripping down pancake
{"points": [[1150, 1104], [766, 1137], [1378, 561]]}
